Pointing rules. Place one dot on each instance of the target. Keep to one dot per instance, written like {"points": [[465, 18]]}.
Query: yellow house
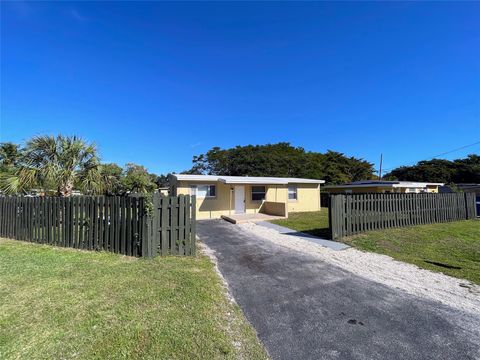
{"points": [[381, 186], [219, 196]]}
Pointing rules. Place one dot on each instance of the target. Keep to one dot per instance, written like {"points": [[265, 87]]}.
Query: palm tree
{"points": [[59, 163]]}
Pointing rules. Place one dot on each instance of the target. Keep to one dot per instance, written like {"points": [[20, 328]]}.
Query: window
{"points": [[203, 191], [258, 193], [348, 191], [411, 190], [292, 193]]}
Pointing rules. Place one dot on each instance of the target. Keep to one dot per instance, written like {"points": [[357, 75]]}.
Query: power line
{"points": [[460, 148], [444, 153]]}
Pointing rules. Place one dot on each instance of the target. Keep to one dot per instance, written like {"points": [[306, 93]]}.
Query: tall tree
{"points": [[137, 179], [112, 178], [10, 154], [161, 180], [282, 160], [58, 163], [468, 169], [439, 170]]}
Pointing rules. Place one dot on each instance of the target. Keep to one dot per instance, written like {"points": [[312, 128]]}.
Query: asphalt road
{"points": [[303, 308]]}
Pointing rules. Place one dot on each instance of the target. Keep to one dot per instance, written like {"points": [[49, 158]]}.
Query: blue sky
{"points": [[156, 83]]}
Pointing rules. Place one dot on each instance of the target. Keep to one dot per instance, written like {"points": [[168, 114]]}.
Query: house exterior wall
{"points": [[308, 198], [432, 189], [209, 208], [224, 201]]}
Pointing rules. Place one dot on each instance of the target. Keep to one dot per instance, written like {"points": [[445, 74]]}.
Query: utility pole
{"points": [[380, 171]]}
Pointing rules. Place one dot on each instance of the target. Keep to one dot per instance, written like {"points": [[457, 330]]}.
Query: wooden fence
{"points": [[353, 214], [109, 223], [171, 228]]}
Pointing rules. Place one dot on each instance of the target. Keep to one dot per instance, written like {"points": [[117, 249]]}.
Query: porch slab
{"points": [[243, 218]]}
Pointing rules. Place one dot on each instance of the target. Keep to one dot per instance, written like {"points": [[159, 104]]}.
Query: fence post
{"points": [[194, 226], [146, 238], [153, 223], [474, 201], [467, 206], [336, 217], [471, 205], [330, 222]]}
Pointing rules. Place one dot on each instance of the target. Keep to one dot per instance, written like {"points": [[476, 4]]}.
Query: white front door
{"points": [[239, 199]]}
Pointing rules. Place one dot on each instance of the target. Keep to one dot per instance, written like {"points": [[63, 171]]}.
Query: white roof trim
{"points": [[401, 184], [247, 179], [415, 184], [195, 177], [387, 182], [358, 185], [304, 181]]}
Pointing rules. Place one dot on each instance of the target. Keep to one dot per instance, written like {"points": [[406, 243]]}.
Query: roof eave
{"points": [[252, 182]]}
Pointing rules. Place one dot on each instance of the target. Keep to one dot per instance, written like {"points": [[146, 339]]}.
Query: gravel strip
{"points": [[457, 293]]}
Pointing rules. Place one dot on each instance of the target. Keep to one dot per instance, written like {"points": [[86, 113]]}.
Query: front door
{"points": [[239, 199]]}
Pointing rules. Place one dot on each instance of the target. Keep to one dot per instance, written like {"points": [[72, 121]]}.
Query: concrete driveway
{"points": [[303, 308]]}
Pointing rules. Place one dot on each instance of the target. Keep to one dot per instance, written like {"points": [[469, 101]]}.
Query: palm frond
{"points": [[23, 180], [57, 162]]}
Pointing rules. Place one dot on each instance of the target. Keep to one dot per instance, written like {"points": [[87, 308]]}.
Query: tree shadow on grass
{"points": [[323, 233]]}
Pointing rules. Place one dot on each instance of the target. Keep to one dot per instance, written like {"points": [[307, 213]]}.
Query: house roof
{"points": [[385, 184], [469, 187], [247, 179]]}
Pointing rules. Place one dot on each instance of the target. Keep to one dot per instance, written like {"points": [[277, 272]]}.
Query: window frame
{"points": [[258, 192], [295, 187], [194, 191]]}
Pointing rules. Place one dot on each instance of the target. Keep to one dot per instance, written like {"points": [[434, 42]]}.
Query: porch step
{"points": [[243, 218], [229, 219]]}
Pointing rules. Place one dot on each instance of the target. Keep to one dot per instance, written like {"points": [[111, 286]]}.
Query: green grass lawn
{"points": [[314, 222], [62, 303], [451, 248]]}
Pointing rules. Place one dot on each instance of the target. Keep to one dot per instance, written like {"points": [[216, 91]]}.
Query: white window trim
{"points": [[203, 197], [251, 193], [296, 193]]}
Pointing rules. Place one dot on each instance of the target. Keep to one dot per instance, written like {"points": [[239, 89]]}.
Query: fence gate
{"points": [[171, 227]]}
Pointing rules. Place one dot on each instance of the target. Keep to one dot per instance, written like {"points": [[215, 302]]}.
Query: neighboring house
{"points": [[228, 195], [469, 188], [474, 188], [381, 186], [164, 190]]}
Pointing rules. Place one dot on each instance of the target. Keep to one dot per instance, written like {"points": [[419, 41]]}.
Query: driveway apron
{"points": [[304, 308]]}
